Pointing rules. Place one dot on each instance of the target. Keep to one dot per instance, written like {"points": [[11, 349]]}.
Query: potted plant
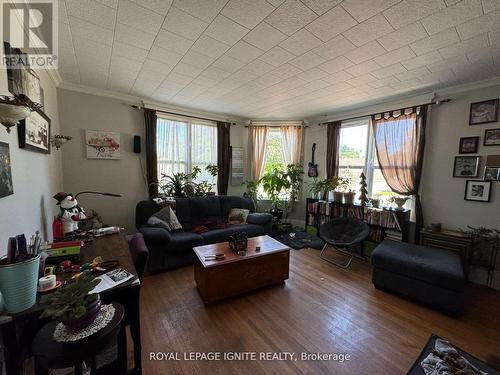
{"points": [[251, 191], [342, 186], [294, 174], [213, 170], [274, 184], [349, 196], [73, 303]]}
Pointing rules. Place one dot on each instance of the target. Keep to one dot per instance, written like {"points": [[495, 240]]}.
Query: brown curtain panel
{"points": [[332, 148], [151, 160], [400, 143], [223, 156]]}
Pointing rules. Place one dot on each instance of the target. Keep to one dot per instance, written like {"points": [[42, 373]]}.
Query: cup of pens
{"points": [[19, 275]]}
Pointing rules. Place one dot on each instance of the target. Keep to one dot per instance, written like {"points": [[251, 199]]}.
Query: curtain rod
{"points": [[277, 123], [376, 113], [179, 114]]}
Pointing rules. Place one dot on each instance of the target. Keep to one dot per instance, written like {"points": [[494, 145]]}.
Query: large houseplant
{"points": [[73, 303], [182, 184]]}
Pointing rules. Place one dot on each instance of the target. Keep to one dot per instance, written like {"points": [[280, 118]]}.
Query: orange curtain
{"points": [[258, 146]]}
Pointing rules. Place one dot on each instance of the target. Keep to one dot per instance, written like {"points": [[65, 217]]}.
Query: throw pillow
{"points": [[238, 216], [168, 216], [153, 221]]}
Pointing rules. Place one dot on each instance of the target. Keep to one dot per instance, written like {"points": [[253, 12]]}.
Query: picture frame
{"points": [[483, 112], [34, 133], [31, 85], [466, 166], [492, 173], [477, 190], [6, 186], [468, 145], [492, 137], [101, 144], [14, 76]]}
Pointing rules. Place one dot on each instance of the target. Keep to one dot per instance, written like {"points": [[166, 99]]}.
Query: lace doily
{"points": [[64, 334]]}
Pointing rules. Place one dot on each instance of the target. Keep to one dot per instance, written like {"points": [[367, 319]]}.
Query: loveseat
{"points": [[172, 249]]}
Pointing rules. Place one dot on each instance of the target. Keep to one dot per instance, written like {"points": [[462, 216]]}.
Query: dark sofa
{"points": [[168, 250]]}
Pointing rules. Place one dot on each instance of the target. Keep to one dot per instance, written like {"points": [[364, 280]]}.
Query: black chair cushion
{"points": [[222, 235], [344, 231], [438, 267]]}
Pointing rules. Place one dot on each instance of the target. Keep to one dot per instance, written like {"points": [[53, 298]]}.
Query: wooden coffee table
{"points": [[236, 274]]}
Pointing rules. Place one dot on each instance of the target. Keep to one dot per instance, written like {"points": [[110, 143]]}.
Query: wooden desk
{"points": [[24, 325]]}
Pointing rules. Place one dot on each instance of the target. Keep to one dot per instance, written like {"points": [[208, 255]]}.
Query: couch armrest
{"points": [[259, 218], [154, 235]]}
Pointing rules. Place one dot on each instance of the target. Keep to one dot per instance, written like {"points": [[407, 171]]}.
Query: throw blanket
{"points": [[445, 360], [207, 225]]}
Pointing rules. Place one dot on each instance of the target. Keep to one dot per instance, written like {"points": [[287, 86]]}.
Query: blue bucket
{"points": [[18, 284]]}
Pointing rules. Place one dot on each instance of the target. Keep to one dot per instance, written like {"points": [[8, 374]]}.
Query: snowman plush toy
{"points": [[71, 213]]}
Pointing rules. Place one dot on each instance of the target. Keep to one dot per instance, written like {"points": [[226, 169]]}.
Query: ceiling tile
{"points": [[92, 12], [312, 74], [365, 52], [452, 16], [136, 38], [157, 66], [338, 77], [415, 73], [307, 61], [286, 71], [363, 68], [206, 10], [300, 42], [197, 59], [321, 6], [264, 36], [139, 18], [335, 65], [214, 73], [334, 47], [408, 11], [125, 50], [228, 64], [247, 12], [187, 70], [479, 41], [479, 25], [389, 71], [86, 30], [361, 80], [176, 78], [165, 56], [428, 58], [110, 3], [182, 23], [157, 6], [331, 24], [150, 75], [395, 56], [122, 63], [362, 10], [490, 5], [258, 67], [172, 42], [368, 30], [277, 56], [209, 46], [225, 30], [383, 82], [244, 52], [291, 16], [403, 36], [435, 41], [494, 37], [448, 63]]}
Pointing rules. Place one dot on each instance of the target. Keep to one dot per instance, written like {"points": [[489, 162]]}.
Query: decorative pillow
{"points": [[238, 216], [168, 217], [153, 221]]}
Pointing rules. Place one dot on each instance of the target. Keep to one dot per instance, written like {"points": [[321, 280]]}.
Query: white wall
{"points": [[36, 177], [80, 112]]}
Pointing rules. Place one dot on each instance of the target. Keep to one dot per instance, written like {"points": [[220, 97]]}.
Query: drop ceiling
{"points": [[276, 58]]}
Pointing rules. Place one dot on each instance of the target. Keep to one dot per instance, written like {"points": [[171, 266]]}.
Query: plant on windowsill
{"points": [[339, 194], [181, 184], [320, 189]]}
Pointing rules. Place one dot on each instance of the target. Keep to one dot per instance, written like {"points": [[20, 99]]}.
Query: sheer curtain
{"points": [[400, 142], [291, 143], [258, 147], [171, 146]]}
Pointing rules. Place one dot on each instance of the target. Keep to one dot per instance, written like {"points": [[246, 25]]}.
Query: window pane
{"points": [[171, 146], [380, 188], [274, 154], [353, 175], [353, 146], [203, 149]]}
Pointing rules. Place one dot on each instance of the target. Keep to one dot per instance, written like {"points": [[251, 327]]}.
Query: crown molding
{"points": [[418, 97], [136, 100]]}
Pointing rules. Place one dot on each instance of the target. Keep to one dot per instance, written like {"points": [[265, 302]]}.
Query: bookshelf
{"points": [[385, 222]]}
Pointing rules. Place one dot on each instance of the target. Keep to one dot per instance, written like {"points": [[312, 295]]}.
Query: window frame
{"points": [[189, 121]]}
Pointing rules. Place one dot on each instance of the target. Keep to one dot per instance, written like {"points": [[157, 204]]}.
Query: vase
{"points": [[338, 196], [92, 307], [349, 197], [400, 202]]}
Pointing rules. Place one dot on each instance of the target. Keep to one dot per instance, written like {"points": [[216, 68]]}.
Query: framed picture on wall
{"points": [[34, 132], [483, 112], [102, 144], [476, 190], [492, 137], [6, 187], [468, 145], [492, 174], [466, 166]]}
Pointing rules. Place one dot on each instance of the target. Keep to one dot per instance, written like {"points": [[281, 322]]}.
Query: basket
{"points": [[18, 282]]}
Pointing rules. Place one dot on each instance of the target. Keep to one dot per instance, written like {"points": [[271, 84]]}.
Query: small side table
{"points": [[51, 354], [449, 240]]}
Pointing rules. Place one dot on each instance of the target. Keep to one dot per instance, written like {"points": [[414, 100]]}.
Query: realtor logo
{"points": [[30, 27]]}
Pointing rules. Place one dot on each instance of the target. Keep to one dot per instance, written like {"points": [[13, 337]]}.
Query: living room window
{"points": [[358, 154], [182, 144]]}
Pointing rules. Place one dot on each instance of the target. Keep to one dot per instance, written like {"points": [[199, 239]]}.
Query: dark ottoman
{"points": [[428, 275]]}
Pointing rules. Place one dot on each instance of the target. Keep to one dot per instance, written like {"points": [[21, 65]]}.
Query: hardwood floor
{"points": [[321, 308]]}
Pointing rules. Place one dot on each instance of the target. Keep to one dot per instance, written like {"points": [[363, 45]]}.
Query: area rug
{"points": [[300, 239], [429, 348]]}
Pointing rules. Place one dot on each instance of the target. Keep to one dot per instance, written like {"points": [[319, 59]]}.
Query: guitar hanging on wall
{"points": [[313, 168]]}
